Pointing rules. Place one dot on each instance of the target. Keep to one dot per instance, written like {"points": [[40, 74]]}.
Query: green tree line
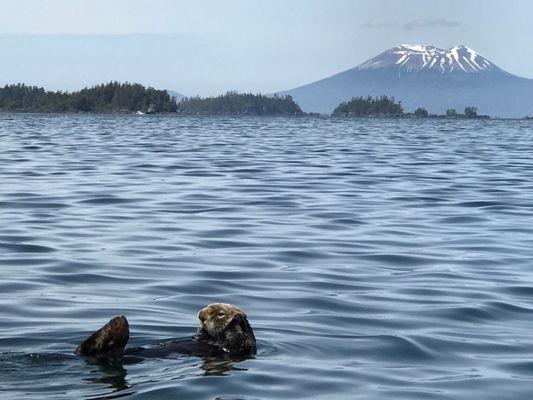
{"points": [[234, 103], [109, 97], [387, 107], [369, 106]]}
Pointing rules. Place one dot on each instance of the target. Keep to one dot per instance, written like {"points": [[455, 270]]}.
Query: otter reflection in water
{"points": [[224, 331]]}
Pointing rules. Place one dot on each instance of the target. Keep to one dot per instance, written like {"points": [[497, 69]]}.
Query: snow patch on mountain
{"points": [[411, 58]]}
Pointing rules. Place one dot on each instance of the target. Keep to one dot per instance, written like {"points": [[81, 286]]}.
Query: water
{"points": [[382, 259]]}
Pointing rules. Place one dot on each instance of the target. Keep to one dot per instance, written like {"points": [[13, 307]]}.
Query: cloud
{"points": [[421, 23], [430, 23]]}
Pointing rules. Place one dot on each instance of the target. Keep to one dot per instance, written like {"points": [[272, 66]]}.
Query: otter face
{"points": [[215, 318], [226, 328]]}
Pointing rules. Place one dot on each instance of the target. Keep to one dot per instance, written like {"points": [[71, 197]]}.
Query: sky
{"points": [[207, 47]]}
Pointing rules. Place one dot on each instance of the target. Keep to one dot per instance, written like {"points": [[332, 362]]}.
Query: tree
{"points": [[470, 112], [451, 112], [421, 112], [82, 104]]}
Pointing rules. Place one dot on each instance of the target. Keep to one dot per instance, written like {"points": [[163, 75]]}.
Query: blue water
{"points": [[376, 259]]}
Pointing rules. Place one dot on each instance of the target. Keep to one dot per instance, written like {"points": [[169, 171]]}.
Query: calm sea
{"points": [[376, 259]]}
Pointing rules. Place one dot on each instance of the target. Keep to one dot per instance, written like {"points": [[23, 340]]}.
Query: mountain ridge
{"points": [[419, 57]]}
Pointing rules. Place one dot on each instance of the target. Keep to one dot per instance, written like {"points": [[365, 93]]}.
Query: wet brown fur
{"points": [[108, 341], [224, 329]]}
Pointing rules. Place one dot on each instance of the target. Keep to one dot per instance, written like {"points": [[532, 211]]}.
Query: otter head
{"points": [[215, 318], [226, 327]]}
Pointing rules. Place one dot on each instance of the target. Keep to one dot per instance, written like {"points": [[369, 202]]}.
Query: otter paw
{"points": [[108, 341]]}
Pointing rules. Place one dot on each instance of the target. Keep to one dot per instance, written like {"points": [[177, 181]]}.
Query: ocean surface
{"points": [[375, 258]]}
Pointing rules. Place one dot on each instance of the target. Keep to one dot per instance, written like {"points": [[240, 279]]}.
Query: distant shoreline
{"points": [[72, 112], [442, 118]]}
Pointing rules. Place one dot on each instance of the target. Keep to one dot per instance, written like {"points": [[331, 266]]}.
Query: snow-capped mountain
{"points": [[426, 76], [410, 58]]}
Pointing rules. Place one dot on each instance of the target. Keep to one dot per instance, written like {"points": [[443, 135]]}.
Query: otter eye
{"points": [[221, 314]]}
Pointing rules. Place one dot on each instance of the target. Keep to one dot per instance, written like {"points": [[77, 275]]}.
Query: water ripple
{"points": [[376, 258]]}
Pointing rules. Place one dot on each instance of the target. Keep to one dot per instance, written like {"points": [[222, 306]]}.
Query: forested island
{"points": [[370, 106], [234, 103], [387, 107], [112, 97]]}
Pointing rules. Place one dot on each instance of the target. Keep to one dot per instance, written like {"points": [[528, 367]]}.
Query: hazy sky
{"points": [[209, 46]]}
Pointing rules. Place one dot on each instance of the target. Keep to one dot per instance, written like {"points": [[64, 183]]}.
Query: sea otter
{"points": [[223, 331]]}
